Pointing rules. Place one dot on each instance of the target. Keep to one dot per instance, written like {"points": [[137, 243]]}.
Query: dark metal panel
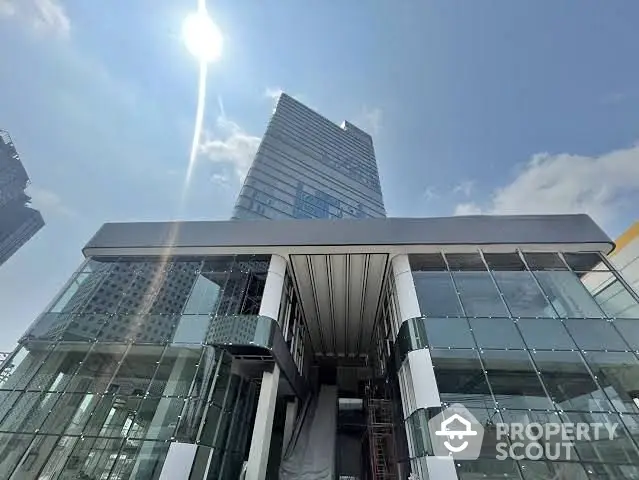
{"points": [[476, 230]]}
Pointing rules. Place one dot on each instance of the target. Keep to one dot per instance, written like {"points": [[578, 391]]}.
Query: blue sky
{"points": [[489, 106]]}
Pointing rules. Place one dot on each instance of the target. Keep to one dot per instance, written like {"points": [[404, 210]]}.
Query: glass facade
{"points": [[308, 167], [530, 338], [123, 364]]}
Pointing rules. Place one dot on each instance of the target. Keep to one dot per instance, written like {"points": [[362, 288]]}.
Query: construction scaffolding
{"points": [[380, 433]]}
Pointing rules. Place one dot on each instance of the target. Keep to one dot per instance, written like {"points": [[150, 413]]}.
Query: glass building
{"points": [[308, 167], [18, 222], [227, 350]]}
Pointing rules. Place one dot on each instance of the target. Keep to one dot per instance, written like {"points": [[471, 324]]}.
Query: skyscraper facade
{"points": [[308, 167], [18, 222]]}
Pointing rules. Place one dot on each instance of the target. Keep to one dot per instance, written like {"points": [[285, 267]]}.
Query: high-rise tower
{"points": [[309, 167], [18, 222]]}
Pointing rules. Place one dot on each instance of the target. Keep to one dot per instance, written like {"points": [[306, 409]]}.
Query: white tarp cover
{"points": [[310, 454]]}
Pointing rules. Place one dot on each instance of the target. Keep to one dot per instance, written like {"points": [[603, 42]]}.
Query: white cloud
{"points": [[48, 202], [233, 146], [221, 179], [599, 186], [465, 188], [369, 120], [43, 16], [430, 194], [467, 209], [273, 93]]}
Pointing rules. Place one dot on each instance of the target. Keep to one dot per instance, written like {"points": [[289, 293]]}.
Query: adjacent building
{"points": [[308, 167], [323, 349], [18, 221]]}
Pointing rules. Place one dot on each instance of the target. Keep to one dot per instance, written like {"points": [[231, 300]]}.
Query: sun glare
{"points": [[202, 37]]}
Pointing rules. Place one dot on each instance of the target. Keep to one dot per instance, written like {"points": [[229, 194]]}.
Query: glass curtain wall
{"points": [[533, 337], [118, 368]]}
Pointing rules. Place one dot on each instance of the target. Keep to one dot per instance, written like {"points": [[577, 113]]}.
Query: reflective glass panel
{"points": [[592, 334], [12, 447], [569, 382], [176, 372], [611, 295], [478, 294], [545, 334], [460, 378], [514, 381], [522, 295], [203, 298], [584, 261], [612, 444], [629, 330], [618, 375], [436, 294], [137, 370], [544, 261], [567, 295], [498, 333], [97, 369], [447, 332], [192, 329]]}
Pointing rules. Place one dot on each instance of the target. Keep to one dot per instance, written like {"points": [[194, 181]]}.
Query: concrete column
{"points": [[261, 439], [289, 423], [420, 387], [272, 296]]}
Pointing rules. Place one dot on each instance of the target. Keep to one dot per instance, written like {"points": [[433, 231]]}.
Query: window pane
{"points": [[427, 262], [91, 458], [72, 412], [465, 262], [514, 381], [436, 294], [12, 447], [478, 294], [77, 292], [448, 332], [192, 329], [545, 334], [591, 334], [544, 261], [616, 450], [95, 372], [460, 378], [486, 468], [23, 365], [611, 295], [569, 382], [504, 262], [176, 373], [618, 375], [137, 370], [522, 295], [567, 295], [485, 332], [538, 470], [204, 296], [629, 330], [28, 412], [583, 262]]}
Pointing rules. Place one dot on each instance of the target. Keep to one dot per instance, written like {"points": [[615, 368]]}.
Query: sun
{"points": [[202, 37]]}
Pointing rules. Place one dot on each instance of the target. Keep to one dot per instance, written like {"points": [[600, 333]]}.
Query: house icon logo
{"points": [[455, 432]]}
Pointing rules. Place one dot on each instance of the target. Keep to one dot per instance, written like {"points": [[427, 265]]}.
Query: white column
{"points": [[261, 439], [289, 423], [270, 306], [406, 294], [420, 387]]}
